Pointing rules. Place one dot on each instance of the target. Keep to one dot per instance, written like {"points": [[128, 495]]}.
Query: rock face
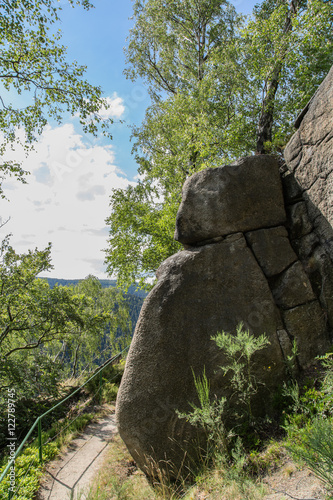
{"points": [[238, 266], [307, 183]]}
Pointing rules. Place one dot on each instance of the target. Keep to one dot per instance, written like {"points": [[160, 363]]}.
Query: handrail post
{"points": [[40, 444], [100, 386]]}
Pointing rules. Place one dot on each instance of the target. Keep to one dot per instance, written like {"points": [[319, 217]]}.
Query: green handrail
{"points": [[38, 421]]}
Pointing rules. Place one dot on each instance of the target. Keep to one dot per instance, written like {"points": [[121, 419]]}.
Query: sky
{"points": [[66, 198]]}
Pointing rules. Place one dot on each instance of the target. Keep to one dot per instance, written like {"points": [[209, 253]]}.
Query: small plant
{"points": [[109, 392], [212, 412], [291, 360], [261, 462], [239, 350], [208, 416]]}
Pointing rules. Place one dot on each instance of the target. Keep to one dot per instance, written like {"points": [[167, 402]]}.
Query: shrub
{"points": [[109, 392], [212, 412]]}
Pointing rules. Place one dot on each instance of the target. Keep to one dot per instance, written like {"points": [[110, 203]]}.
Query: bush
{"points": [[210, 415], [111, 375], [109, 392]]}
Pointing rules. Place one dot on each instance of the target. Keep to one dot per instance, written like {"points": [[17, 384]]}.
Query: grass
{"points": [[120, 479]]}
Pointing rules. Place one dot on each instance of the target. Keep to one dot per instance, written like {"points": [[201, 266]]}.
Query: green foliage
{"points": [[209, 417], [309, 424], [109, 392], [31, 318], [289, 48], [213, 413], [262, 462], [220, 84], [309, 403], [316, 449], [111, 378], [141, 233], [239, 350], [33, 63], [291, 360]]}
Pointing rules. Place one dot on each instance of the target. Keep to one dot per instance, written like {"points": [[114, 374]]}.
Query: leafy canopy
{"points": [[222, 87], [49, 334], [34, 66]]}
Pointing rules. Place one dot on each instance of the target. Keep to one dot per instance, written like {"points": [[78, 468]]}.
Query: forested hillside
{"points": [[134, 296]]}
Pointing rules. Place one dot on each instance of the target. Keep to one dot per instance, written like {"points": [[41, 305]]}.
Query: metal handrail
{"points": [[38, 421]]}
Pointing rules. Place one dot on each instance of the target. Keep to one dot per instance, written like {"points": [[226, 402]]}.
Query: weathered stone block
{"points": [[272, 249], [240, 197], [292, 288], [307, 324], [200, 291]]}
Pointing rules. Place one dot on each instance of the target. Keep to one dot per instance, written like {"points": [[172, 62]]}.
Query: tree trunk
{"points": [[265, 124], [75, 361]]}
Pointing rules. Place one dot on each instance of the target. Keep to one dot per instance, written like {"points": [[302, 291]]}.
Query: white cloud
{"points": [[116, 107], [65, 201]]}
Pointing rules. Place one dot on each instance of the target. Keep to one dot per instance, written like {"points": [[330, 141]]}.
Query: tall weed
{"points": [[212, 412]]}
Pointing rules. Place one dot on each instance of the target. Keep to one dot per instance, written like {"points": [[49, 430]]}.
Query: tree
{"points": [[33, 64], [221, 88], [174, 47], [105, 328], [47, 334], [290, 45]]}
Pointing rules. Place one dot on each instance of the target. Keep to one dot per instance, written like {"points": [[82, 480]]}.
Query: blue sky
{"points": [[67, 196]]}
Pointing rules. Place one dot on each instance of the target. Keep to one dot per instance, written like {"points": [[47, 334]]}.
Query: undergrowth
{"points": [[235, 464], [58, 433], [309, 426], [28, 470]]}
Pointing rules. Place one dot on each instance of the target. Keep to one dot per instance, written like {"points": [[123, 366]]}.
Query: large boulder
{"points": [[200, 291], [243, 196], [240, 268]]}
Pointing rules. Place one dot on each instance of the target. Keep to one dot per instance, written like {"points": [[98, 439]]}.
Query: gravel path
{"points": [[290, 482], [69, 476]]}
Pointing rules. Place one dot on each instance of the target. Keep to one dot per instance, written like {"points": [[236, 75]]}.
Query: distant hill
{"points": [[105, 284], [134, 297]]}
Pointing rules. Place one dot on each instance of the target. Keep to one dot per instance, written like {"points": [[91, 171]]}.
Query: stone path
{"points": [[70, 475]]}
